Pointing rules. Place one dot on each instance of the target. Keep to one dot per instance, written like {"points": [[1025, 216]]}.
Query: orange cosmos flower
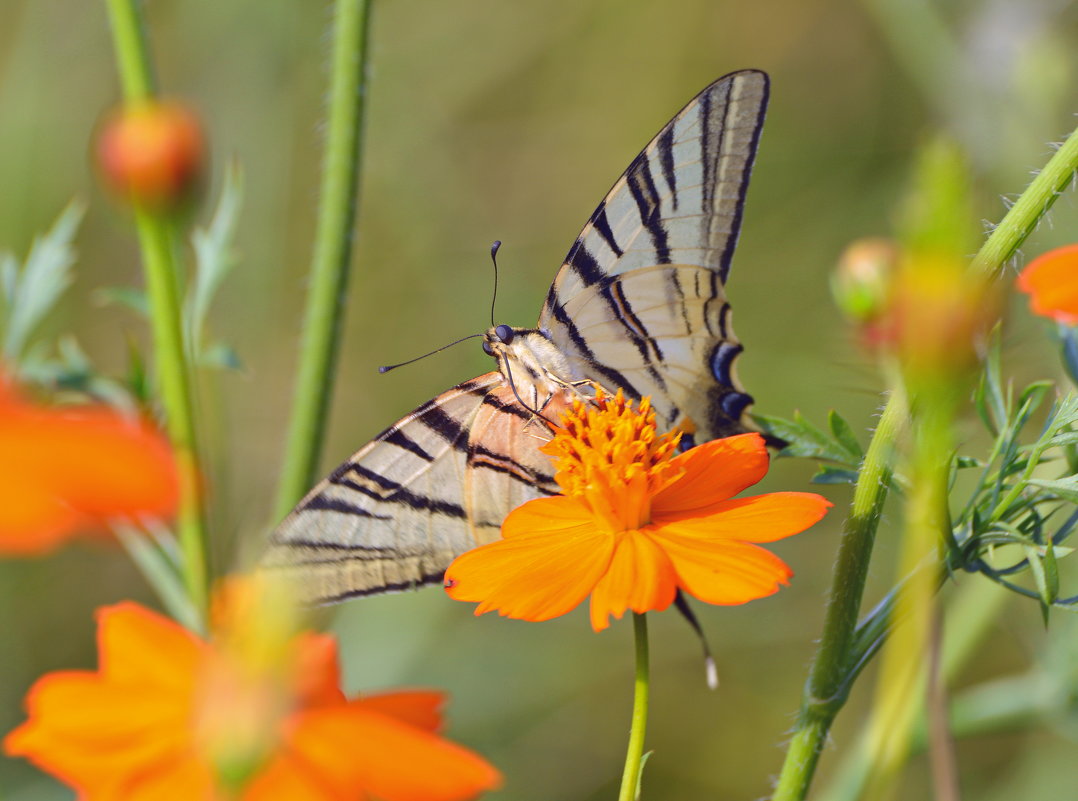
{"points": [[636, 523], [149, 725], [1051, 281], [70, 470]]}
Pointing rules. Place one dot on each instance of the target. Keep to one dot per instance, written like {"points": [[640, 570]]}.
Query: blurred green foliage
{"points": [[510, 120]]}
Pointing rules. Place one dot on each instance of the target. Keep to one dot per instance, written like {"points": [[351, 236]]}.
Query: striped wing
{"points": [[427, 489], [639, 302]]}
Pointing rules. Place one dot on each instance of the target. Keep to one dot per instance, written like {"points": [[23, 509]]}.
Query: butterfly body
{"points": [[639, 304]]}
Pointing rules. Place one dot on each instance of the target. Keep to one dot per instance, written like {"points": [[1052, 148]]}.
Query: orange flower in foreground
{"points": [[1051, 281], [635, 524], [147, 726], [66, 470]]}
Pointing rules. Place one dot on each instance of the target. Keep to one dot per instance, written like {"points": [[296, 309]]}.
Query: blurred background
{"points": [[493, 120]]}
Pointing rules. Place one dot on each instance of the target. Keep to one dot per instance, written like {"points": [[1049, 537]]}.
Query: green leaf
{"points": [[1065, 488], [220, 356], [989, 399], [829, 474], [128, 296], [805, 440], [844, 436], [963, 462], [214, 259], [43, 278]]}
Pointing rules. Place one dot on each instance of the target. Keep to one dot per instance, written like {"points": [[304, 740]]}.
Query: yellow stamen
{"points": [[611, 456]]}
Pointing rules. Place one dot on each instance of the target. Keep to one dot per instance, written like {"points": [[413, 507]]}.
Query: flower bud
{"points": [[862, 280], [151, 153]]}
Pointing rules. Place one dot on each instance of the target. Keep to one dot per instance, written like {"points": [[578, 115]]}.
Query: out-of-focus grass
{"points": [[509, 121]]}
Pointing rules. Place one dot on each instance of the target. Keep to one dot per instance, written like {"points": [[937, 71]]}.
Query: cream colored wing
{"points": [[427, 489], [639, 302]]}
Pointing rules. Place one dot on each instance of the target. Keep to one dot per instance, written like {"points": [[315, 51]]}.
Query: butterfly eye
{"points": [[486, 348], [504, 333]]}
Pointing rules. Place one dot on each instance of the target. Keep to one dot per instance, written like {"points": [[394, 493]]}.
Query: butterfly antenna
{"points": [[494, 258], [387, 367]]}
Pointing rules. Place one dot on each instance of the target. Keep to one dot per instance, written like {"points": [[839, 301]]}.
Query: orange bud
{"points": [[152, 152], [1051, 281], [862, 280]]}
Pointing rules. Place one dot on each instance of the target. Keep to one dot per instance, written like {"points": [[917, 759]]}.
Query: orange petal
{"points": [[384, 758], [640, 577], [1051, 280], [722, 572], [419, 708], [542, 515], [714, 471], [759, 518], [91, 733], [141, 647], [317, 673], [534, 574]]}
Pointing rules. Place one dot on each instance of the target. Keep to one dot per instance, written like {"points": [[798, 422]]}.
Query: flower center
{"points": [[610, 455]]}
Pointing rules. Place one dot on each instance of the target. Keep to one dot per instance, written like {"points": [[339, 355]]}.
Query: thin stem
{"points": [[332, 253], [155, 234], [630, 778], [132, 54], [1031, 206], [828, 682]]}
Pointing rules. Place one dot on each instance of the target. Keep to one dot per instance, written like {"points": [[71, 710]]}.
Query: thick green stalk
{"points": [[155, 234], [829, 677], [332, 253], [630, 778]]}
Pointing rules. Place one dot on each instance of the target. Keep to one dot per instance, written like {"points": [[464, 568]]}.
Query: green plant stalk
{"points": [[1031, 206], [818, 711], [630, 778], [828, 682], [155, 234], [331, 256], [901, 684]]}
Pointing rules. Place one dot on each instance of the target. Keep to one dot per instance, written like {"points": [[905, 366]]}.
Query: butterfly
{"points": [[638, 304]]}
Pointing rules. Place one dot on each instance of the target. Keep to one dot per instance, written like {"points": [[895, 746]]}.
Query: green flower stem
{"points": [[1030, 207], [332, 253], [132, 54], [630, 778], [828, 683], [156, 237]]}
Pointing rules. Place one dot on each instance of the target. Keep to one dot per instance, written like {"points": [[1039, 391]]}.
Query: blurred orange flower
{"points": [[635, 524], [1051, 281], [69, 470], [149, 724]]}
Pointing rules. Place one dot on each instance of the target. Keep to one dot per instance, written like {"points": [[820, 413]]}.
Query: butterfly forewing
{"points": [[429, 488], [639, 301]]}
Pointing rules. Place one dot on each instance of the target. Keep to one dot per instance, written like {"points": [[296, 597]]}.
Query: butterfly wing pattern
{"points": [[639, 304]]}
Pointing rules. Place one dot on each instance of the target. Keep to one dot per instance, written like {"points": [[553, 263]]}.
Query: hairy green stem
{"points": [[332, 253], [828, 683], [1031, 206], [156, 237], [630, 778]]}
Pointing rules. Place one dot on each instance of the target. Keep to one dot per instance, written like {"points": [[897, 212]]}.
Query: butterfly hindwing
{"points": [[639, 302], [430, 487]]}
